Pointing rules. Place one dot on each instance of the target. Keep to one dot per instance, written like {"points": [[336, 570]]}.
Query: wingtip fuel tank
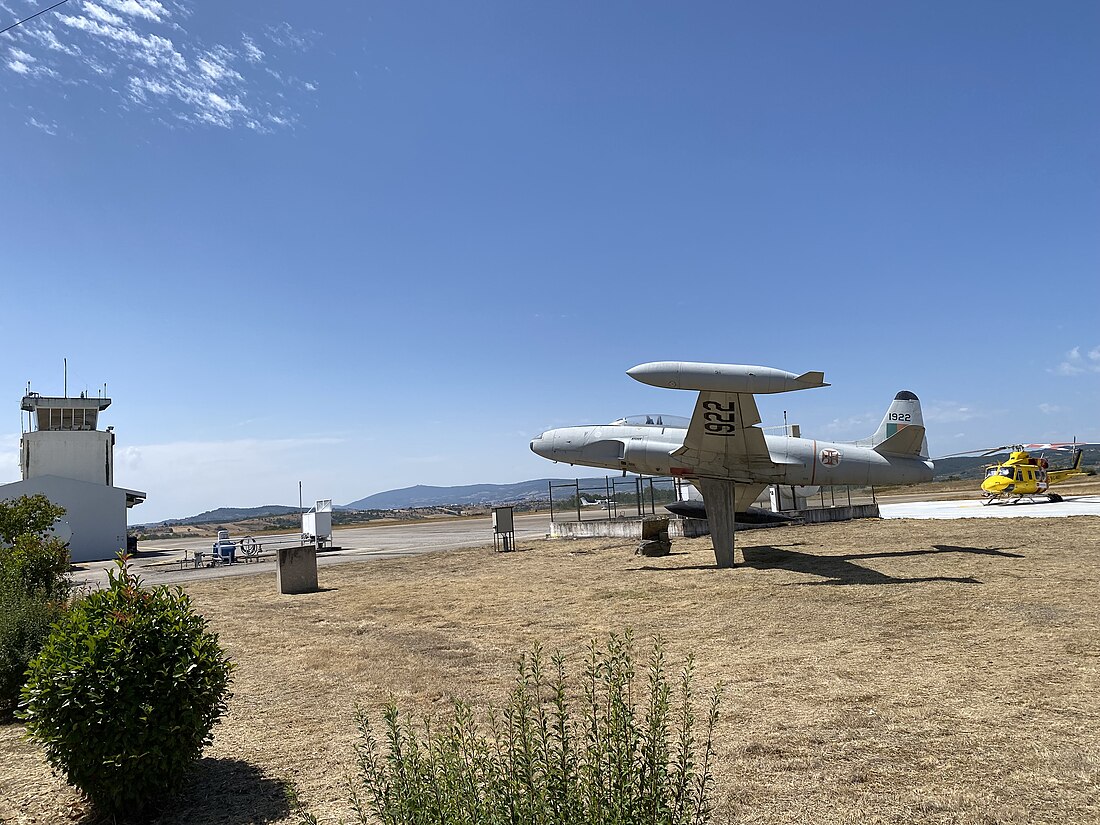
{"points": [[737, 378]]}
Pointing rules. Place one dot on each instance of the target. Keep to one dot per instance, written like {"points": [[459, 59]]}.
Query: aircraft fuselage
{"points": [[648, 450]]}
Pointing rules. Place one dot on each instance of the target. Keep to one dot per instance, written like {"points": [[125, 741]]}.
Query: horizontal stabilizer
{"points": [[812, 379], [907, 440]]}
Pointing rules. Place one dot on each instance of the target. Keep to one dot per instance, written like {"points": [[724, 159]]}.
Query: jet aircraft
{"points": [[723, 452]]}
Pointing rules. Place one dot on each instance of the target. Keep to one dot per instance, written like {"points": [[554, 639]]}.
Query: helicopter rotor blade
{"points": [[1060, 446]]}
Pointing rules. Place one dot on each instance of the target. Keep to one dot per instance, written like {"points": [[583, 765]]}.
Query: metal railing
{"points": [[616, 497]]}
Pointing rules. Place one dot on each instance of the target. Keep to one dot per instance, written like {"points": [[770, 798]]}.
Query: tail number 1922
{"points": [[719, 418]]}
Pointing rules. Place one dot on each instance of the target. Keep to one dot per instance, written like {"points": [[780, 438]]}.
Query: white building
{"points": [[65, 458]]}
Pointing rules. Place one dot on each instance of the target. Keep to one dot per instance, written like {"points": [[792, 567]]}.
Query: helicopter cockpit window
{"points": [[653, 420], [1007, 472]]}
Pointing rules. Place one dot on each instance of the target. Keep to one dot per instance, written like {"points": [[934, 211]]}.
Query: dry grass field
{"points": [[877, 671]]}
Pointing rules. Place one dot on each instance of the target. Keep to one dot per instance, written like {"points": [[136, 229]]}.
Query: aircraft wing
{"points": [[723, 430]]}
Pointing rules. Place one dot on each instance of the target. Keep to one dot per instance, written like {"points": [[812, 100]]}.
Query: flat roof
{"points": [[35, 402]]}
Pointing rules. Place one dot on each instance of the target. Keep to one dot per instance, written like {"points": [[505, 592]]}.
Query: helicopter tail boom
{"points": [[1055, 476]]}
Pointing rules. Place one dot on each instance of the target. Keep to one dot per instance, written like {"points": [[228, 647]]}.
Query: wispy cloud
{"points": [[48, 128], [186, 477], [140, 52], [1076, 363], [1050, 409], [949, 412], [852, 424], [26, 64]]}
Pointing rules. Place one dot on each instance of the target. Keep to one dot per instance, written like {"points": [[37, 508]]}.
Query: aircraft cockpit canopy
{"points": [[653, 420], [1007, 472]]}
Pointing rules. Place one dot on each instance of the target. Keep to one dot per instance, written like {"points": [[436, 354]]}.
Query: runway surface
{"points": [[165, 561], [974, 508]]}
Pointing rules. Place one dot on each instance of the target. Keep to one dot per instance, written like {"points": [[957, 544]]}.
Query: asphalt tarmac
{"points": [[170, 561]]}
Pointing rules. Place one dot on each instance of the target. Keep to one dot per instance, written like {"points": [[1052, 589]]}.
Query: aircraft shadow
{"points": [[843, 569]]}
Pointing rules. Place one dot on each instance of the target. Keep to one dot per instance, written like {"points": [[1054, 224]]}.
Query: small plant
{"points": [[125, 693], [607, 756]]}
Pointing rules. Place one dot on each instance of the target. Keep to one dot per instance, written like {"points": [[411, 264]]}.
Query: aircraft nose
{"points": [[542, 444]]}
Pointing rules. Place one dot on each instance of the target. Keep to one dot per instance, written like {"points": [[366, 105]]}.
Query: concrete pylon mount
{"points": [[720, 498]]}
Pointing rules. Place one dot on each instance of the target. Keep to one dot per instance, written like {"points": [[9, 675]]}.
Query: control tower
{"points": [[65, 457]]}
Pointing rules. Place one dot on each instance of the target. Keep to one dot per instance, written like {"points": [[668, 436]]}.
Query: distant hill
{"points": [[472, 494], [228, 514]]}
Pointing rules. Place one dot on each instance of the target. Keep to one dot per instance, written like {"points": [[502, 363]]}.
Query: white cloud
{"points": [[48, 128], [47, 38], [143, 49], [252, 52], [147, 9], [1075, 363], [26, 64], [102, 15], [1050, 409]]}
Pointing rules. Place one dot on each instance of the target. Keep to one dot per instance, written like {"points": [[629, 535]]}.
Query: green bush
{"points": [[549, 758], [125, 693], [34, 586], [25, 621], [27, 515]]}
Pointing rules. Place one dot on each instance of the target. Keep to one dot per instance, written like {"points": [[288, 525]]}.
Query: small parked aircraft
{"points": [[723, 452]]}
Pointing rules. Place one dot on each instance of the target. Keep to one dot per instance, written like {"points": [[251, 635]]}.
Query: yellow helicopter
{"points": [[1024, 476]]}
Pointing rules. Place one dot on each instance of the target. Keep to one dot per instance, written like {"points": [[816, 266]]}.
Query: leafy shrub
{"points": [[25, 621], [125, 693], [27, 515], [34, 585], [610, 761]]}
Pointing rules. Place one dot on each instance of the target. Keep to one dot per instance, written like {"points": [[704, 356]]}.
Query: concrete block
{"points": [[653, 526], [296, 569]]}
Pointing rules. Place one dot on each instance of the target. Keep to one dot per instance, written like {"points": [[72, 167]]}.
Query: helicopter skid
{"points": [[1038, 498]]}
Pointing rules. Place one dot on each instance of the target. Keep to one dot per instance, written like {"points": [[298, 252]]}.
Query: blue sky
{"points": [[370, 245]]}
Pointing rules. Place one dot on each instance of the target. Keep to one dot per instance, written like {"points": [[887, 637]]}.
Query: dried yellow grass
{"points": [[878, 671]]}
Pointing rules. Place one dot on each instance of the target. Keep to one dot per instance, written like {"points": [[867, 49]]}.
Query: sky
{"points": [[368, 245]]}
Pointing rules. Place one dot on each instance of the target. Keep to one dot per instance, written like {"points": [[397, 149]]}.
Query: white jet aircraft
{"points": [[723, 452]]}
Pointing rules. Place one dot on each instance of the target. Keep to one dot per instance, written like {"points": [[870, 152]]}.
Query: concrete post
{"points": [[720, 497], [296, 570]]}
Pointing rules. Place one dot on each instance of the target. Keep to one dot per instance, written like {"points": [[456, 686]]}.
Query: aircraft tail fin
{"points": [[891, 436]]}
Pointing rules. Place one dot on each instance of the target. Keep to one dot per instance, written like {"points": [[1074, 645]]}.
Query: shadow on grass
{"points": [[843, 569], [227, 791]]}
